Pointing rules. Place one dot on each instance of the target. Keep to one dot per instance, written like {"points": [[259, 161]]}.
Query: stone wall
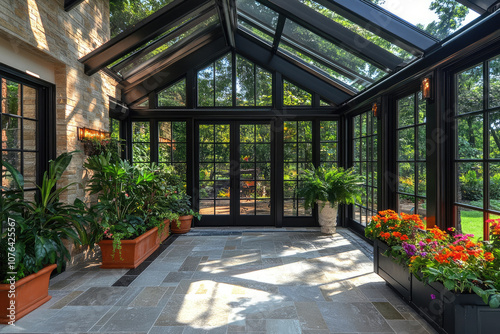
{"points": [[43, 28]]}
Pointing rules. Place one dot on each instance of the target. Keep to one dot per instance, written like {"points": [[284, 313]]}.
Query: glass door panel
{"points": [[214, 170], [255, 169]]}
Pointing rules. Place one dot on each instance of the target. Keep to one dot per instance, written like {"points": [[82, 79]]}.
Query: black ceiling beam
{"points": [[382, 23], [70, 4], [141, 90], [226, 13], [335, 33], [279, 32], [144, 31], [483, 32], [171, 35], [479, 6], [302, 49], [260, 54], [164, 59]]}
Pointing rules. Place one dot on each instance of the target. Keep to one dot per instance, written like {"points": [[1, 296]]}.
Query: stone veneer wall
{"points": [[43, 28]]}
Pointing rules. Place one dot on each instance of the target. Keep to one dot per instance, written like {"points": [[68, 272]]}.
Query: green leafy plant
{"points": [[95, 146], [334, 185], [44, 224], [471, 186]]}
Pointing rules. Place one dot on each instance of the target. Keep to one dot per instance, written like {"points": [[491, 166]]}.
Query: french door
{"points": [[234, 173]]}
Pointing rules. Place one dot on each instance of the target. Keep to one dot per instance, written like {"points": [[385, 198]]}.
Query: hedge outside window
{"points": [[173, 96], [328, 143], [172, 146], [477, 154], [20, 131], [411, 154], [297, 151], [215, 84], [141, 145], [253, 84], [295, 96], [365, 163]]}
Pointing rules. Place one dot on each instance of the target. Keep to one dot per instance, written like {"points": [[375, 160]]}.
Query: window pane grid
{"points": [[364, 148], [477, 153]]}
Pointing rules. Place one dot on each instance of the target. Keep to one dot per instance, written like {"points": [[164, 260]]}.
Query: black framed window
{"points": [[411, 154], [365, 163], [477, 147], [141, 145], [254, 85], [297, 152], [172, 147], [20, 132], [215, 83], [328, 143]]}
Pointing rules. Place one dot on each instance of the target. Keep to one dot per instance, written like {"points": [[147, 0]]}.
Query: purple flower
{"points": [[409, 249], [433, 296], [423, 254]]}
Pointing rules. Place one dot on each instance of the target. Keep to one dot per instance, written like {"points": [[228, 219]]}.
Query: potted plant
{"points": [[452, 279], [122, 223], [32, 245], [329, 187], [180, 203]]}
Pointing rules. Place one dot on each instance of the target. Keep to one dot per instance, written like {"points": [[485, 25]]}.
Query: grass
{"points": [[472, 223]]}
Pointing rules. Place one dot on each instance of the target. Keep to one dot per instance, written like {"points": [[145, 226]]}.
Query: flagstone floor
{"points": [[231, 281]]}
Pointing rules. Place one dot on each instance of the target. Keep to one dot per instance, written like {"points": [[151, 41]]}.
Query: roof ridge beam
{"points": [[147, 29], [382, 23], [335, 33]]}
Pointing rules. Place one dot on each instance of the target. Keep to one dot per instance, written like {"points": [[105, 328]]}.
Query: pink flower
{"points": [[433, 296]]}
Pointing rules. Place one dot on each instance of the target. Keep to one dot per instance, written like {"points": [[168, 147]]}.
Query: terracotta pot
{"points": [[165, 232], [185, 226], [31, 292], [133, 252]]}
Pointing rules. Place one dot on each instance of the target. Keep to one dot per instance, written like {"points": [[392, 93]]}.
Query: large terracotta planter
{"points": [[184, 227], [165, 232], [30, 292], [133, 252]]}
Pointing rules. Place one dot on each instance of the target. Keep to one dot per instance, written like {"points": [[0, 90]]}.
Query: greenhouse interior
{"points": [[294, 166]]}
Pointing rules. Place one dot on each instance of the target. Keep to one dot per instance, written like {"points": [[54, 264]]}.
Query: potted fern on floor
{"points": [[329, 187]]}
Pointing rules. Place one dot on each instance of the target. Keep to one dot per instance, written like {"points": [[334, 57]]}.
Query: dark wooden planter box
{"points": [[448, 312]]}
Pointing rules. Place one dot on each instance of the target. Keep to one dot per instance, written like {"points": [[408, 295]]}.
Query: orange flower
{"points": [[489, 257], [378, 225], [404, 237]]}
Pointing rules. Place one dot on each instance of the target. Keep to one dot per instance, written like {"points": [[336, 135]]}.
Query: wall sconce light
{"points": [[86, 133], [426, 88], [376, 109]]}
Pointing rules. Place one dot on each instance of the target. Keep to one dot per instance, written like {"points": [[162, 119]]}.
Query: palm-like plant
{"points": [[334, 185]]}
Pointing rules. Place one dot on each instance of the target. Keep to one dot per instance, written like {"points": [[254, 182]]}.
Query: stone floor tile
{"points": [[310, 316], [98, 296], [167, 330], [281, 326], [353, 317], [388, 311], [134, 319], [149, 297], [407, 326], [67, 299]]}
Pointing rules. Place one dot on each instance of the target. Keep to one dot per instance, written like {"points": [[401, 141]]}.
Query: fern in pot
{"points": [[329, 187]]}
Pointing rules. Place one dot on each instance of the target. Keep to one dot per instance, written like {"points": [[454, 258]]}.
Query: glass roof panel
{"points": [[257, 10], [438, 18], [356, 84], [124, 14], [175, 39], [377, 40], [309, 40], [256, 32]]}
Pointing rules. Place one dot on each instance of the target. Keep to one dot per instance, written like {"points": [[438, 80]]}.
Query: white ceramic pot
{"points": [[327, 217]]}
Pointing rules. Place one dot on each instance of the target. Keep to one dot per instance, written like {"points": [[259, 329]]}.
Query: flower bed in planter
{"points": [[30, 292], [451, 279], [133, 252], [448, 312]]}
